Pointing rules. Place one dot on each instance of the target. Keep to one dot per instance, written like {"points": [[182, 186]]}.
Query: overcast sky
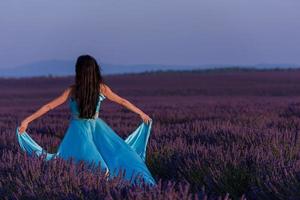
{"points": [[150, 31]]}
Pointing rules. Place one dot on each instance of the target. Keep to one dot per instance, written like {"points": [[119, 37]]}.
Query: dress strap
{"points": [[102, 97]]}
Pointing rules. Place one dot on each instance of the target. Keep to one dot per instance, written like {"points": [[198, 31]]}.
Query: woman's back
{"points": [[73, 105]]}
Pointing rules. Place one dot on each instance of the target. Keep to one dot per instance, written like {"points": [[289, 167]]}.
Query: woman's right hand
{"points": [[146, 119]]}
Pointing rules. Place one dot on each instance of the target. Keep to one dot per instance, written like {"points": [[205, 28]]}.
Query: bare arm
{"points": [[122, 101], [45, 108]]}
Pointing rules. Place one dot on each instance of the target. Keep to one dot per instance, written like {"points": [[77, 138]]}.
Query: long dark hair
{"points": [[87, 81]]}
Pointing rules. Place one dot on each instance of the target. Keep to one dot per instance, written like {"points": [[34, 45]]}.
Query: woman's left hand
{"points": [[23, 127]]}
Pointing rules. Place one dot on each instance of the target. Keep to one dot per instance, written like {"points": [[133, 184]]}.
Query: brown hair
{"points": [[87, 83]]}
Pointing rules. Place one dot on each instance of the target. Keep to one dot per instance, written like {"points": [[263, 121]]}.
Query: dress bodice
{"points": [[75, 110]]}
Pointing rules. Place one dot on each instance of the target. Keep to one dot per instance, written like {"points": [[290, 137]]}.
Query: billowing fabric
{"points": [[93, 140]]}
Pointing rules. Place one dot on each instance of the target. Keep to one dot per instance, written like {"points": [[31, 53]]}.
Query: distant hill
{"points": [[66, 67]]}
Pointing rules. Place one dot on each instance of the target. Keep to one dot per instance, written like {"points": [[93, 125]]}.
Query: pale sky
{"points": [[176, 32]]}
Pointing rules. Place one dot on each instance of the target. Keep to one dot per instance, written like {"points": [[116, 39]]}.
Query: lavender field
{"points": [[216, 135]]}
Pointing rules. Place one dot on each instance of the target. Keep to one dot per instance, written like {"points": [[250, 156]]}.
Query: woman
{"points": [[88, 137]]}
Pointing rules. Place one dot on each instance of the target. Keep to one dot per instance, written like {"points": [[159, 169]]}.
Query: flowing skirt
{"points": [[93, 140]]}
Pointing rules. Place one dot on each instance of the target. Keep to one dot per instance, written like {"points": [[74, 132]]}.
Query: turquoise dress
{"points": [[93, 140]]}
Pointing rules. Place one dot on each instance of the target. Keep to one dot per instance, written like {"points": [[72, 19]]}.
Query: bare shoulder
{"points": [[71, 87], [111, 95], [69, 90], [103, 88]]}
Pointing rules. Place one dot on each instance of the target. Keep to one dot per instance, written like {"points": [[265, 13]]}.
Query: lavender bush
{"points": [[216, 135]]}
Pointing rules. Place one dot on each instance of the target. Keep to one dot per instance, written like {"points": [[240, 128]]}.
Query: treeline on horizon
{"points": [[172, 71]]}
